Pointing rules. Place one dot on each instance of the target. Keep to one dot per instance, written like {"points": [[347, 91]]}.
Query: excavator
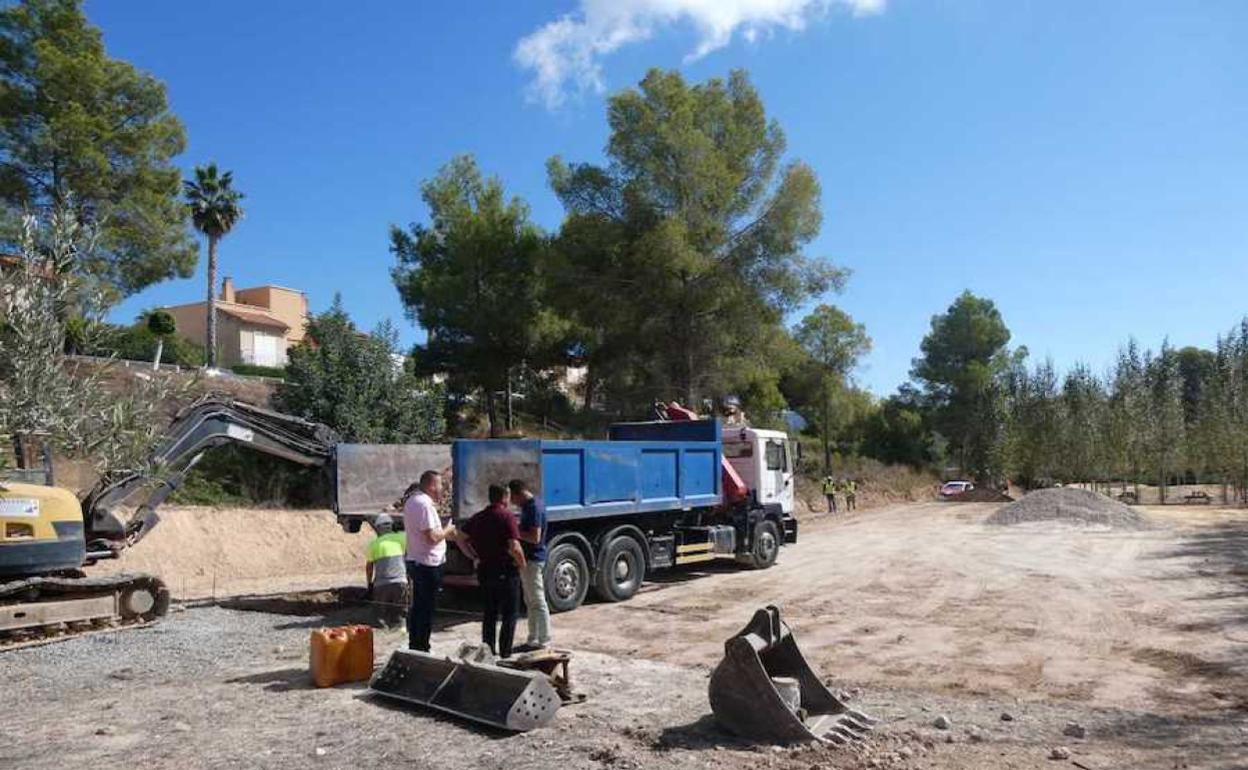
{"points": [[49, 536]]}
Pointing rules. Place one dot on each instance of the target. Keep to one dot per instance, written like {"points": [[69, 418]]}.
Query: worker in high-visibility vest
{"points": [[851, 495], [386, 573], [829, 492]]}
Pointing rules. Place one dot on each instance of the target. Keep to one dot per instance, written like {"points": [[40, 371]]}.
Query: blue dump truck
{"points": [[652, 496]]}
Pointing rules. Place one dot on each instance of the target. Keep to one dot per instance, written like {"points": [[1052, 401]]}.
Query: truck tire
{"points": [[621, 569], [567, 577], [765, 546]]}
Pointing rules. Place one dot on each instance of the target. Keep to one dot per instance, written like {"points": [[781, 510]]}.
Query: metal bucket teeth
{"points": [[505, 698], [746, 701]]}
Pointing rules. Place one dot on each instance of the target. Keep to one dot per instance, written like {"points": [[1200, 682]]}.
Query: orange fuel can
{"points": [[342, 654]]}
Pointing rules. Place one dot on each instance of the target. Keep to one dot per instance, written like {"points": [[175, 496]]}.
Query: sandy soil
{"points": [[1139, 637], [204, 552], [926, 593]]}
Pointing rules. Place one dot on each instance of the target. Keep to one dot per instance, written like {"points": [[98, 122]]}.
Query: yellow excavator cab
{"points": [[41, 530]]}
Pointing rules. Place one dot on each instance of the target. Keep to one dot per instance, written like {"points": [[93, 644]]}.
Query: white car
{"points": [[951, 488]]}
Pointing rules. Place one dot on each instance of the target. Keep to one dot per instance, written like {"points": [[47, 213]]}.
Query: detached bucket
{"points": [[512, 700], [764, 690]]}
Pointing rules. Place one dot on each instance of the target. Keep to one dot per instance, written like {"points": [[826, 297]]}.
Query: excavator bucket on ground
{"points": [[765, 690], [505, 698]]}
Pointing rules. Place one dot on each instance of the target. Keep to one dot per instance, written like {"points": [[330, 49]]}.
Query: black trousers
{"points": [[501, 586], [426, 582]]}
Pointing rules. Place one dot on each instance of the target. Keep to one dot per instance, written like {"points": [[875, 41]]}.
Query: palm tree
{"points": [[215, 209]]}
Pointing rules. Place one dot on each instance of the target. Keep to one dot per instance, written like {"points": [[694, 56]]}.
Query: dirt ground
{"points": [[205, 552], [916, 611]]}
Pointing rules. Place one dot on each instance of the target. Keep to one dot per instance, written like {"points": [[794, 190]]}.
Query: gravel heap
{"points": [[1072, 506], [981, 495]]}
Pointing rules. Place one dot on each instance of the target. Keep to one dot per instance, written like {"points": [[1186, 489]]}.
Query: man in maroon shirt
{"points": [[493, 541]]}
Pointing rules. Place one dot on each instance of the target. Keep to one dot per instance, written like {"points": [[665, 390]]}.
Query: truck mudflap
{"points": [[765, 690], [790, 529], [505, 698]]}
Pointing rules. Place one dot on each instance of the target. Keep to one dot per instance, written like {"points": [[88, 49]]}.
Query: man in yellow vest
{"points": [[829, 492], [851, 495], [386, 573]]}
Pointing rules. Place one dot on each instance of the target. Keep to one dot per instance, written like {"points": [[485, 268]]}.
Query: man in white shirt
{"points": [[426, 554]]}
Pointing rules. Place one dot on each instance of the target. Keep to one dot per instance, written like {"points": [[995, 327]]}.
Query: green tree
{"points": [[75, 123], [1128, 420], [682, 255], [1196, 369], [163, 326], [352, 382], [215, 208], [1081, 450], [473, 279], [963, 358], [42, 390], [1165, 426], [834, 343], [896, 431], [1033, 424]]}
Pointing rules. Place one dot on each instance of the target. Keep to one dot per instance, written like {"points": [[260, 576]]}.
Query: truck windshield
{"points": [[775, 456], [738, 449]]}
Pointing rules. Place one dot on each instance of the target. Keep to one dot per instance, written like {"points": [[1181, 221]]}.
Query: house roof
{"points": [[252, 315]]}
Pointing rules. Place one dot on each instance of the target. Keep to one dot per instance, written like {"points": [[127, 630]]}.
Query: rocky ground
{"points": [[977, 647]]}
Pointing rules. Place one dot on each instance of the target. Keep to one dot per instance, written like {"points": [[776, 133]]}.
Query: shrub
{"points": [[255, 370]]}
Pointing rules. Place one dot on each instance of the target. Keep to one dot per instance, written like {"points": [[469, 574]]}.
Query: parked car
{"points": [[951, 488]]}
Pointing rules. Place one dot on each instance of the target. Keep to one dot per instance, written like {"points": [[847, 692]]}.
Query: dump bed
{"points": [[647, 467], [368, 478]]}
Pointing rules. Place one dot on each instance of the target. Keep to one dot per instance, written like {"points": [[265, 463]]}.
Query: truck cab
{"points": [[766, 461]]}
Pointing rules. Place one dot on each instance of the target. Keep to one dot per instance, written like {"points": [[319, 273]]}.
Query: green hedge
{"points": [[255, 370]]}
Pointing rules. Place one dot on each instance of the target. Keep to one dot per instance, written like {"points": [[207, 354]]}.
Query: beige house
{"points": [[254, 326]]}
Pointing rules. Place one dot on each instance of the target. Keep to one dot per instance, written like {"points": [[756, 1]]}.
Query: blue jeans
{"points": [[426, 582]]}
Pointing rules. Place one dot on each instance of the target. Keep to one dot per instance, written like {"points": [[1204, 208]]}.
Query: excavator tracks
{"points": [[41, 610]]}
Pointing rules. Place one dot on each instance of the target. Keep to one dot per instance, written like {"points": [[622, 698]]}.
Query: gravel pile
{"points": [[1072, 506], [981, 495]]}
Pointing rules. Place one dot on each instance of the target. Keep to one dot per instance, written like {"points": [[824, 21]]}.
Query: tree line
{"points": [[980, 408]]}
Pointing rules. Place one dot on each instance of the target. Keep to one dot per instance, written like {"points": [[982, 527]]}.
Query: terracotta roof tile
{"points": [[252, 315]]}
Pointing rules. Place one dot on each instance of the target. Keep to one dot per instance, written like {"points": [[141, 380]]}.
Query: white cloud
{"points": [[565, 54]]}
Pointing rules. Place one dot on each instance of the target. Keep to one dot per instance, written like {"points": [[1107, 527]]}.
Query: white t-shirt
{"points": [[420, 514]]}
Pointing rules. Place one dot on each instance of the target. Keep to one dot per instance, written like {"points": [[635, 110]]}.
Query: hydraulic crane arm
{"points": [[735, 488], [209, 422]]}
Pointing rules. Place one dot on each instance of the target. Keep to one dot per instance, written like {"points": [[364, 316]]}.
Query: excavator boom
{"points": [[209, 422]]}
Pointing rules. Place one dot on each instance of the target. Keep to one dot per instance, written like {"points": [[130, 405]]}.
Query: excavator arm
{"points": [[210, 422]]}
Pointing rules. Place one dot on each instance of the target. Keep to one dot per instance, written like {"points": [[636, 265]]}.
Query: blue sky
{"points": [[1085, 165]]}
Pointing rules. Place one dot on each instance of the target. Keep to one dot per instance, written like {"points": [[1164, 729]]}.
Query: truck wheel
{"points": [[766, 545], [567, 577], [621, 570]]}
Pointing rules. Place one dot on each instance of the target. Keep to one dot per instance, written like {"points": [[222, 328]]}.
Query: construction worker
{"points": [[426, 555], [829, 492], [533, 538], [851, 495], [492, 539], [387, 578]]}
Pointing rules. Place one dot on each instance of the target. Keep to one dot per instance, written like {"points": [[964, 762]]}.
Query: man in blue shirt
{"points": [[533, 538]]}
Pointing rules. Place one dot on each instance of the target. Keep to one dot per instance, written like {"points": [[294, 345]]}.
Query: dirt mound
{"points": [[981, 495], [1072, 506], [201, 552]]}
